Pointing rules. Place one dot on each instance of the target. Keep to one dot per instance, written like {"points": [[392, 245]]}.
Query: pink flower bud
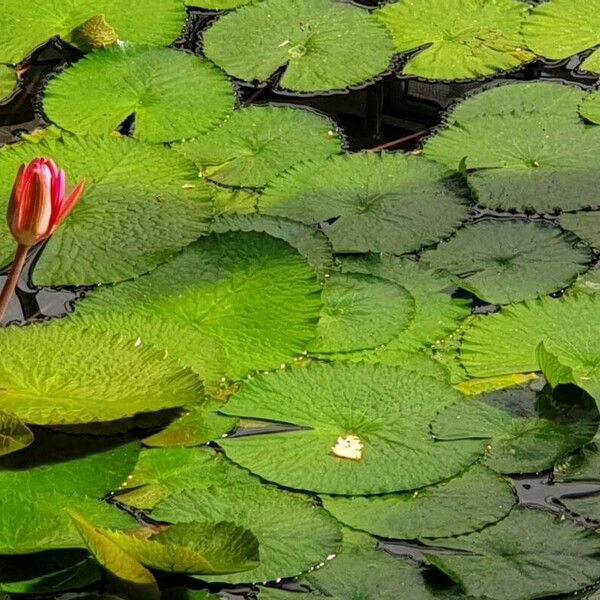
{"points": [[38, 204]]}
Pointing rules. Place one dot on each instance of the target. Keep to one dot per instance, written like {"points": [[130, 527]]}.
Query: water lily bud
{"points": [[38, 204]]}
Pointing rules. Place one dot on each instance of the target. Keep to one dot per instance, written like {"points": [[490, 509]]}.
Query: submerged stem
{"points": [[13, 277]]}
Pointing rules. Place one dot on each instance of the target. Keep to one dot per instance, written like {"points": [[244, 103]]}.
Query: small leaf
{"points": [[14, 434]]}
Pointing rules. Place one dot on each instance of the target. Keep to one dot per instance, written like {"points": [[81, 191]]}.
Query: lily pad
{"points": [[320, 45], [8, 81], [24, 26], [500, 562], [515, 157], [507, 261], [515, 443], [459, 39], [562, 28], [583, 465], [227, 305], [585, 225], [360, 311], [52, 374], [378, 202], [219, 4], [143, 202], [274, 516], [258, 142], [460, 505], [173, 94], [586, 506], [386, 410], [506, 342], [14, 434]]}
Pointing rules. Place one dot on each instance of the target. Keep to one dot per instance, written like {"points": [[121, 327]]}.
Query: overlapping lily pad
{"points": [[227, 305], [373, 202], [24, 26], [14, 434], [508, 261], [141, 205], [515, 157], [585, 225], [315, 42], [274, 516], [459, 39], [506, 342], [258, 142], [386, 409], [219, 4], [561, 28], [460, 505], [360, 311], [172, 94], [8, 81], [501, 563]]}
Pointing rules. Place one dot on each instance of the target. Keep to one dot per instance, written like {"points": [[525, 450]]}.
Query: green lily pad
{"points": [[460, 505], [173, 94], [258, 142], [527, 555], [233, 201], [515, 157], [8, 81], [48, 572], [322, 45], [14, 434], [242, 302], [219, 4], [24, 26], [386, 410], [590, 106], [585, 225], [360, 311], [517, 443], [588, 283], [583, 465], [274, 516], [562, 28], [162, 472], [459, 39], [437, 312], [508, 261], [380, 202], [506, 342], [85, 376], [144, 203], [586, 506], [308, 240], [205, 548]]}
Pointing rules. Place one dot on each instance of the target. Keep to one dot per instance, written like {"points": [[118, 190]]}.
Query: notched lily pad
{"points": [[585, 225], [315, 42]]}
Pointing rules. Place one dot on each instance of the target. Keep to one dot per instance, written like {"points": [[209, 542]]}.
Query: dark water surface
{"points": [[393, 112]]}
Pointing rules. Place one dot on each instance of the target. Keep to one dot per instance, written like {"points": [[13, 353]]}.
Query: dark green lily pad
{"points": [[507, 261], [258, 142], [585, 225], [24, 26], [143, 202], [380, 202], [227, 305], [386, 410], [56, 374], [529, 554], [506, 342], [460, 505], [459, 39], [583, 465], [360, 311], [274, 516], [515, 157], [586, 506], [322, 45], [173, 94]]}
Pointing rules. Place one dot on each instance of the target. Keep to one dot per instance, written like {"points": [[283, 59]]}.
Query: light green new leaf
{"points": [[507, 261], [256, 143], [387, 410], [140, 206], [227, 305], [14, 434], [389, 202], [315, 41], [276, 517], [172, 94], [460, 505], [457, 39]]}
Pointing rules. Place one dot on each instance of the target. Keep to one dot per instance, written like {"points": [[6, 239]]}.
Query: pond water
{"points": [[394, 113]]}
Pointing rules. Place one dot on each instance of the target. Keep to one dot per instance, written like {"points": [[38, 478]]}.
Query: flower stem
{"points": [[13, 277]]}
